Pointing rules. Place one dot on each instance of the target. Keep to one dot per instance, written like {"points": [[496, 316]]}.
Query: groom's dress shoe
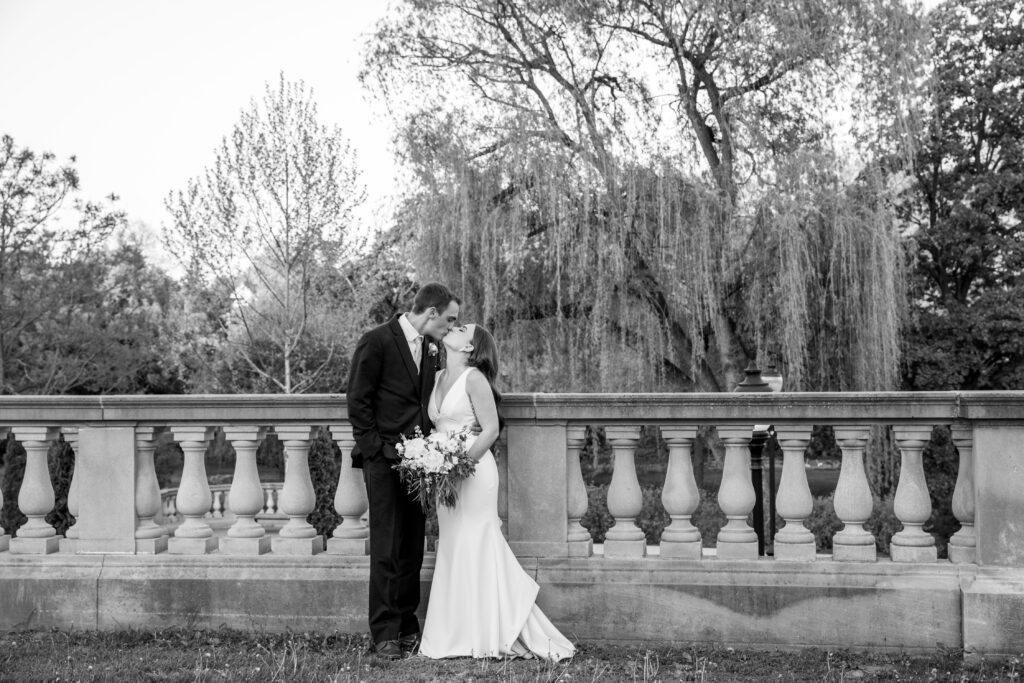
{"points": [[409, 644], [388, 649]]}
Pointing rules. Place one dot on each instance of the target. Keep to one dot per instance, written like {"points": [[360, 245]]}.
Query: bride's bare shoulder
{"points": [[476, 379]]}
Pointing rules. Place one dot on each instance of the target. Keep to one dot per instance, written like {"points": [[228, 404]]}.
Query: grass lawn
{"points": [[183, 655]]}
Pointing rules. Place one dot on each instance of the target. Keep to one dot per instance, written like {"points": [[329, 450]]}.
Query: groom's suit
{"points": [[387, 398]]}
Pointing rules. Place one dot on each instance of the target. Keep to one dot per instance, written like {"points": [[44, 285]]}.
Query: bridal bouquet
{"points": [[432, 466]]}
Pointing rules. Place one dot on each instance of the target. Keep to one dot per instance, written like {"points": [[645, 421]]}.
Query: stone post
{"points": [[538, 512], [245, 499], [106, 473], [795, 504], [351, 536], [680, 496], [737, 539], [297, 497], [963, 545], [912, 504], [36, 498], [194, 536], [625, 499], [580, 543], [150, 537], [852, 500]]}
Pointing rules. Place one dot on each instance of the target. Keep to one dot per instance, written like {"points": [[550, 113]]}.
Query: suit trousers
{"points": [[396, 551]]}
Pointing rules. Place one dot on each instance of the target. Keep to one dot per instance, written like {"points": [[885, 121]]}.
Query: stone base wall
{"points": [[752, 604]]}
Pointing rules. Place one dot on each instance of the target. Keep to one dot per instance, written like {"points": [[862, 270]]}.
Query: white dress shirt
{"points": [[414, 338]]}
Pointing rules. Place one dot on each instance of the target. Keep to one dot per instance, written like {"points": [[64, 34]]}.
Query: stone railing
{"points": [[220, 513], [975, 597]]}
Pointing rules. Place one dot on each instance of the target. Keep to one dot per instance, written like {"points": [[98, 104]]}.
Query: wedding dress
{"points": [[482, 602]]}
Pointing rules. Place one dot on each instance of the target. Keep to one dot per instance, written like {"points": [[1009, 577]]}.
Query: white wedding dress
{"points": [[482, 602]]}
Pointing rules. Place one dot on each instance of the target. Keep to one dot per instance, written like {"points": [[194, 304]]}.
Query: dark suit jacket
{"points": [[386, 396]]}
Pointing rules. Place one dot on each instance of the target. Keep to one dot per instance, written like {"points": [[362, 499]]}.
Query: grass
{"points": [[224, 655]]}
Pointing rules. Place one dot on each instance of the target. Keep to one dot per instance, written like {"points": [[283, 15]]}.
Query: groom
{"points": [[389, 385]]}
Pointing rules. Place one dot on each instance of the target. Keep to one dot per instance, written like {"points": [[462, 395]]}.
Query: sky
{"points": [[142, 91]]}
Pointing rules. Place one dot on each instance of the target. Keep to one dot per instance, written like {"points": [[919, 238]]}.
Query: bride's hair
{"points": [[484, 357]]}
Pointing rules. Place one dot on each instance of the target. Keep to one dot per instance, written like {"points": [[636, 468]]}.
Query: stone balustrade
{"points": [[976, 596]]}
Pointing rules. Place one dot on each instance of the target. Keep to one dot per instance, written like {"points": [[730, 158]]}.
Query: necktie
{"points": [[417, 351]]}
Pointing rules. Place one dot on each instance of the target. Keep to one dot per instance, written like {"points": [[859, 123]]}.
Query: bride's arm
{"points": [[482, 398]]}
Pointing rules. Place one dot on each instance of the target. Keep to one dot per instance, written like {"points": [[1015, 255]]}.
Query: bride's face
{"points": [[459, 337]]}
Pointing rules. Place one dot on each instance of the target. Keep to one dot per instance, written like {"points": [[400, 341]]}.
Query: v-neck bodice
{"points": [[455, 410]]}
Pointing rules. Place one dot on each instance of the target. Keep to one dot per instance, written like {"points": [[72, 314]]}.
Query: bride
{"points": [[482, 602]]}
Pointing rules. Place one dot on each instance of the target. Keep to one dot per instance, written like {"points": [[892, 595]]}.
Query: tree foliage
{"points": [[966, 204], [587, 197], [78, 313]]}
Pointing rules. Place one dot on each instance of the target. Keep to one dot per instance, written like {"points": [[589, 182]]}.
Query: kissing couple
{"points": [[482, 603]]}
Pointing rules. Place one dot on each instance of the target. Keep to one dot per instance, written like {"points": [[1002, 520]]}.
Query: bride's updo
{"points": [[484, 357]]}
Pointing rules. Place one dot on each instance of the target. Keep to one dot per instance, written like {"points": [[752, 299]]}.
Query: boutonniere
{"points": [[434, 352]]}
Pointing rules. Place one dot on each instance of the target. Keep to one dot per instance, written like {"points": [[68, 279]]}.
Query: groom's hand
{"points": [[475, 429]]}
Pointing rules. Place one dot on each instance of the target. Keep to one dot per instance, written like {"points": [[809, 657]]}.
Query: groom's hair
{"points": [[433, 295]]}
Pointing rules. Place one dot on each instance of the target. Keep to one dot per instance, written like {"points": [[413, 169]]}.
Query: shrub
{"points": [[823, 522], [11, 517], [61, 462], [883, 523], [709, 518], [324, 466], [168, 461]]}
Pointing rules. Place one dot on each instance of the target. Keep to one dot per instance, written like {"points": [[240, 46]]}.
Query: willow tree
{"points": [[266, 227], [656, 183]]}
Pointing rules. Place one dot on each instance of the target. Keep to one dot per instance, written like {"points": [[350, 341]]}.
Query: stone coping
{"points": [[838, 408], [651, 565]]}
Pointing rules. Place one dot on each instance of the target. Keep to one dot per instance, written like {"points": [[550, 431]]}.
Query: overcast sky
{"points": [[141, 91]]}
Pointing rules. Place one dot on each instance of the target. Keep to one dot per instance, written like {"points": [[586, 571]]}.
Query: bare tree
{"points": [[266, 224]]}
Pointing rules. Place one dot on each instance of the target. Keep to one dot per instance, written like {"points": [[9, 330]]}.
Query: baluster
{"points": [[351, 536], [578, 538], [736, 496], [150, 537], [794, 502], [170, 510], [194, 536], [245, 499], [963, 544], [217, 505], [5, 538], [852, 499], [268, 506], [36, 498], [69, 544], [297, 497], [912, 504], [680, 496], [625, 500]]}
